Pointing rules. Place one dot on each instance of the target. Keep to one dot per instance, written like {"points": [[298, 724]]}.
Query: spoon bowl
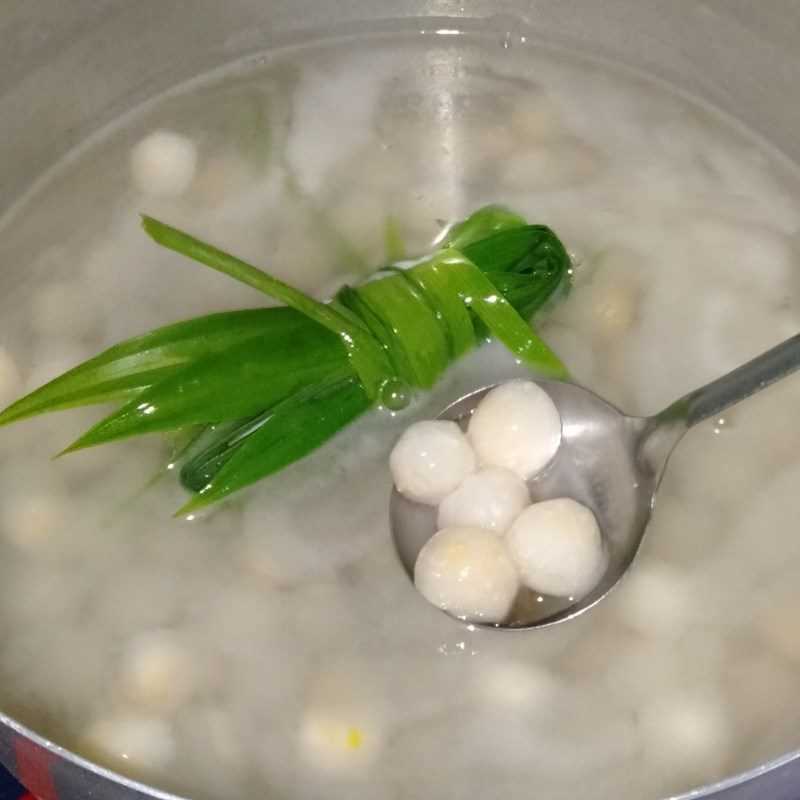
{"points": [[610, 462], [596, 465]]}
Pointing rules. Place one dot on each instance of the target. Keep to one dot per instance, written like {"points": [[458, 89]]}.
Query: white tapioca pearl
{"points": [[687, 733], [557, 548], [33, 521], [490, 498], [516, 426], [164, 163], [563, 164], [514, 685], [132, 741], [156, 670], [613, 308], [606, 301], [467, 572], [339, 740], [534, 117], [431, 459], [654, 600]]}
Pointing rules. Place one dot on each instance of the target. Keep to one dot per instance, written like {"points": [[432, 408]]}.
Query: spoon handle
{"points": [[752, 377]]}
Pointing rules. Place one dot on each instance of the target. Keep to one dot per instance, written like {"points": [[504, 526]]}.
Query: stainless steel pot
{"points": [[67, 68]]}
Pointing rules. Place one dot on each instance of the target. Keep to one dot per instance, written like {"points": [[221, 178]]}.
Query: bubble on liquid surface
{"points": [[394, 394]]}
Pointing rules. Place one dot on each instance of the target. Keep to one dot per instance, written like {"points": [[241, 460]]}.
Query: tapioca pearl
{"points": [[564, 164], [516, 426], [514, 686], [690, 733], [156, 670], [33, 522], [557, 548], [430, 460], [655, 600], [490, 498], [135, 742], [164, 163], [534, 117], [336, 740], [467, 572]]}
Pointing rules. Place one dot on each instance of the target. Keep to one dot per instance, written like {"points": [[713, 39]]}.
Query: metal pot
{"points": [[67, 68]]}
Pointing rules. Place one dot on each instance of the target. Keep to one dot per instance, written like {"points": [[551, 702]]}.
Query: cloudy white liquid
{"points": [[276, 648]]}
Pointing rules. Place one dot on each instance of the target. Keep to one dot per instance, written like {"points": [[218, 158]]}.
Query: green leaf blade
{"points": [[500, 317], [480, 224], [238, 382], [349, 301], [260, 389], [213, 447], [435, 279], [292, 430], [366, 353], [413, 323], [529, 249], [239, 270], [138, 363]]}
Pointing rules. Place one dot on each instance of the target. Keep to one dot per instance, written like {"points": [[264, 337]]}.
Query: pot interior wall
{"points": [[65, 69]]}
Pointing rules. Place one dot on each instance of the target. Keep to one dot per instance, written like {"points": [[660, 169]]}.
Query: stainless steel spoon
{"points": [[608, 461]]}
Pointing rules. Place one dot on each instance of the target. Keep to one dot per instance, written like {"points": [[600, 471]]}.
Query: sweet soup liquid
{"points": [[275, 648]]}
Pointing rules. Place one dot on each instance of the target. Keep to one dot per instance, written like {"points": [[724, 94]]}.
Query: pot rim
{"points": [[110, 775]]}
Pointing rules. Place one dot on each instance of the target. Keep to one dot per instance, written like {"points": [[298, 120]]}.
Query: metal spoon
{"points": [[608, 461]]}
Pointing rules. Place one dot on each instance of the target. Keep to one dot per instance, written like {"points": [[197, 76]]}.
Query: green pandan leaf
{"points": [[366, 354], [435, 280], [348, 301], [256, 390], [525, 295], [290, 431], [240, 381], [205, 455], [482, 297], [530, 249], [414, 325], [480, 224], [135, 365]]}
